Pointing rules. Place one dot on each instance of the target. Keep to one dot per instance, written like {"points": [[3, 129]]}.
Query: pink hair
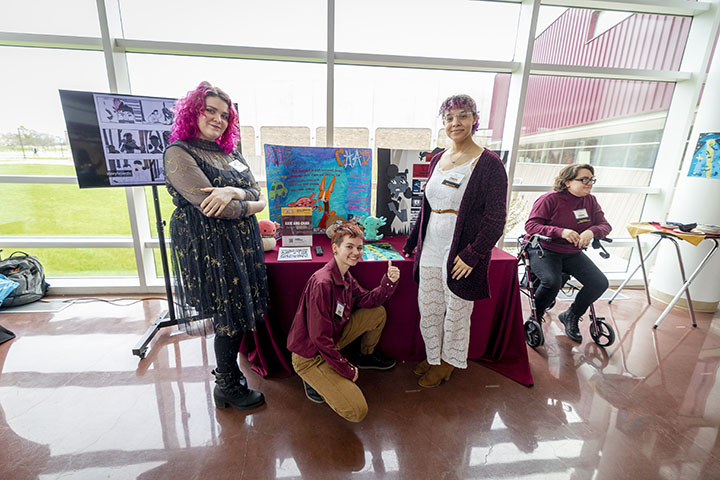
{"points": [[461, 101], [189, 108]]}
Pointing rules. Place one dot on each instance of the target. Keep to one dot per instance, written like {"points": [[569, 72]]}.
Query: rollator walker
{"points": [[600, 330]]}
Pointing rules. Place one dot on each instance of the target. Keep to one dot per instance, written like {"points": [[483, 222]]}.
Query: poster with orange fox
{"points": [[334, 182]]}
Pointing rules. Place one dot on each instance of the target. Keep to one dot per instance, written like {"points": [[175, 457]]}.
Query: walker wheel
{"points": [[602, 333], [533, 333]]}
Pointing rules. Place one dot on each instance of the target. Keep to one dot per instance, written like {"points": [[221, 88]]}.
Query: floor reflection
{"points": [[74, 403]]}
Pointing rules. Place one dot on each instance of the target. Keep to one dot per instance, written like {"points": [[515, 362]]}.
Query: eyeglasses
{"points": [[586, 180], [449, 118]]}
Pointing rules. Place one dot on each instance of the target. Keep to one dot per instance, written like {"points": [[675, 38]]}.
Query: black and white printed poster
{"points": [[402, 175], [135, 132]]}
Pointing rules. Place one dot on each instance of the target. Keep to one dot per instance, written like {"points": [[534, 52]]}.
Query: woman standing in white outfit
{"points": [[465, 195]]}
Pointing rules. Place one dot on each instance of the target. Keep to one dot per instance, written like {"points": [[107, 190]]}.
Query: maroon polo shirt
{"points": [[318, 324]]}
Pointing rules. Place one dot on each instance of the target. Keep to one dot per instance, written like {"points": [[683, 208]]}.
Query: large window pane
{"points": [[407, 100], [270, 95], [63, 210], [399, 106], [614, 123], [426, 28], [85, 262], [32, 125], [254, 23], [67, 17], [601, 38]]}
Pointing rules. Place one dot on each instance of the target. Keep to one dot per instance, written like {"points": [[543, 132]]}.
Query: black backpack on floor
{"points": [[28, 272], [5, 334]]}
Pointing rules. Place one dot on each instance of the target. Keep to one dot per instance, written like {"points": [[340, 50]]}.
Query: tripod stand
{"points": [[167, 318]]}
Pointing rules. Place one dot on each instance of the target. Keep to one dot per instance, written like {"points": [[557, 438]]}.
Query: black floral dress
{"points": [[218, 262]]}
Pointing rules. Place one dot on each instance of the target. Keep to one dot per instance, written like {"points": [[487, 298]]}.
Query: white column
{"points": [[527, 24], [330, 88], [696, 200], [119, 81]]}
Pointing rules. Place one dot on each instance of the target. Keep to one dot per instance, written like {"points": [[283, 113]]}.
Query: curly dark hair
{"points": [[568, 173]]}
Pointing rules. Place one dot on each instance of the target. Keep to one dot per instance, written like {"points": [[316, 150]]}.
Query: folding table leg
{"points": [[686, 285], [640, 265]]}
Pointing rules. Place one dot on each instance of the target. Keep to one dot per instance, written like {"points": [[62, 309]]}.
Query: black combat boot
{"points": [[240, 376], [230, 391], [570, 320]]}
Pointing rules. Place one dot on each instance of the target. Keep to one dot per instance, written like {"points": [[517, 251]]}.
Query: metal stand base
{"points": [[162, 321], [166, 318]]}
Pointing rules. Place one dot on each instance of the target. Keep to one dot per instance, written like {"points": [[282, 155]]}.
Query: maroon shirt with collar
{"points": [[317, 327]]}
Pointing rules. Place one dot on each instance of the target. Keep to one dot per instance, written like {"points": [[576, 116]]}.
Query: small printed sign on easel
{"points": [[297, 227]]}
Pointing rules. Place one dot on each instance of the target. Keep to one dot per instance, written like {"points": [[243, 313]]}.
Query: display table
{"points": [[497, 338], [638, 228]]}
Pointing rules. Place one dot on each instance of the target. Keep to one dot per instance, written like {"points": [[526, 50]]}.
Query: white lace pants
{"points": [[444, 319]]}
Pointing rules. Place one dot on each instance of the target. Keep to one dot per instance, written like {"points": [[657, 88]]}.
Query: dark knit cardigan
{"points": [[480, 223]]}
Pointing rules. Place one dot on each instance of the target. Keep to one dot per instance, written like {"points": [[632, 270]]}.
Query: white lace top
{"points": [[441, 226]]}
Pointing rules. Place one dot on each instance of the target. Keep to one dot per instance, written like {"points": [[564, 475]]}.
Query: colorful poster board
{"points": [[706, 159], [334, 182]]}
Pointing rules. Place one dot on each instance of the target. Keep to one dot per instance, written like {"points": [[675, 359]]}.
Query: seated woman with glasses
{"points": [[572, 217]]}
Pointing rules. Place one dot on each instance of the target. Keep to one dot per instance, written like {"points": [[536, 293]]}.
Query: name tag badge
{"points": [[581, 215], [238, 165], [339, 309], [454, 180]]}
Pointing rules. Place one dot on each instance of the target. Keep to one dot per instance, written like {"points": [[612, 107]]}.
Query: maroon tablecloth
{"points": [[497, 339]]}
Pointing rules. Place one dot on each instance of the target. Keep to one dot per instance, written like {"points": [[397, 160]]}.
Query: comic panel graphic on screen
{"points": [[117, 140]]}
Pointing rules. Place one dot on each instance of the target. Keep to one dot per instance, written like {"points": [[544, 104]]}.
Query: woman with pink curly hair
{"points": [[217, 253]]}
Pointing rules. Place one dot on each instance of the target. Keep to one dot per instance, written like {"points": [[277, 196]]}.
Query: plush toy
{"points": [[332, 222], [268, 230], [371, 225]]}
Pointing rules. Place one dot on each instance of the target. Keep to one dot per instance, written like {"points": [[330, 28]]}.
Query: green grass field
{"points": [[37, 210]]}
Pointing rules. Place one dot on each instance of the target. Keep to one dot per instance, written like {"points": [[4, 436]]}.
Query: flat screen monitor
{"points": [[117, 140]]}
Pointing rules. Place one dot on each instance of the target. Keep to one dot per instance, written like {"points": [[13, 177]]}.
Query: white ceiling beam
{"points": [[9, 39], [222, 51], [376, 60]]}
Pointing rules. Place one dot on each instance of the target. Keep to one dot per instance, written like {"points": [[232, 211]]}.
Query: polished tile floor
{"points": [[75, 403]]}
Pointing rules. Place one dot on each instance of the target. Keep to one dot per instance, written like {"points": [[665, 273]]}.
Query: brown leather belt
{"points": [[445, 210]]}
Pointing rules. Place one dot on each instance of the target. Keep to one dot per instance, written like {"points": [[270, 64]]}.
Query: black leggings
{"points": [[549, 269], [226, 352]]}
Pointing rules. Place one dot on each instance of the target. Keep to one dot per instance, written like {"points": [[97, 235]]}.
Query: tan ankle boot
{"points": [[421, 368], [436, 375]]}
